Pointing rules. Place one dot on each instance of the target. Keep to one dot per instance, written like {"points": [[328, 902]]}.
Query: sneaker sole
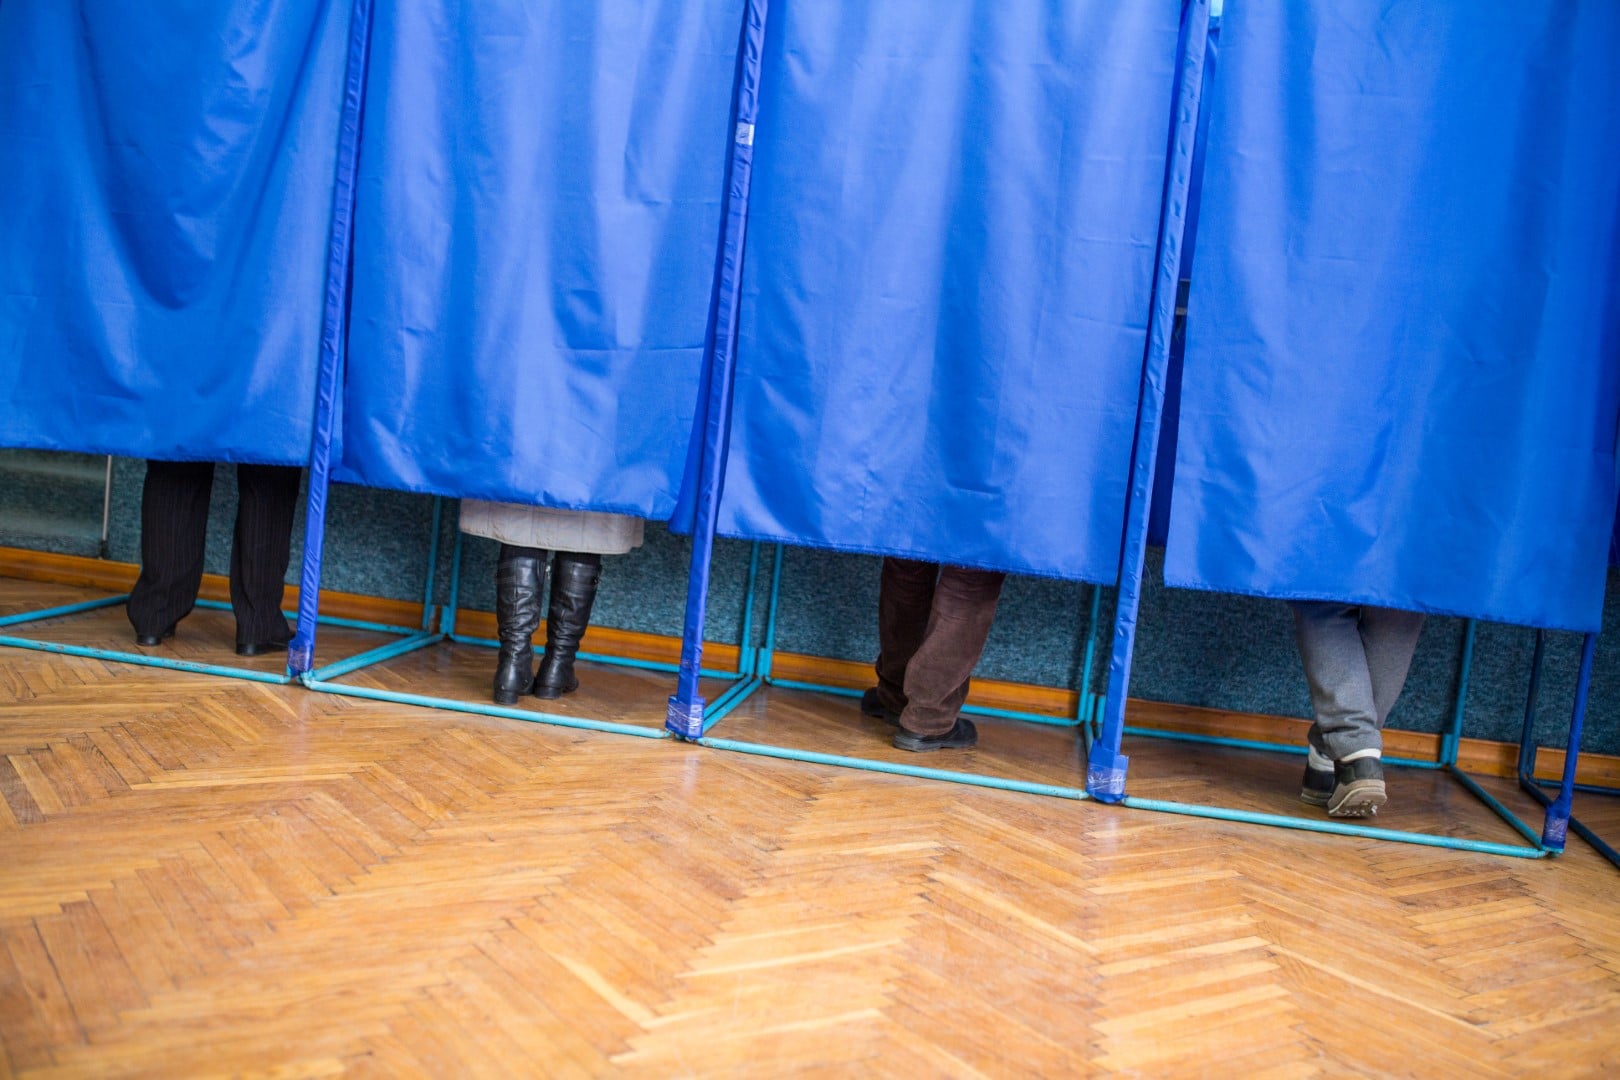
{"points": [[1359, 798], [1314, 798]]}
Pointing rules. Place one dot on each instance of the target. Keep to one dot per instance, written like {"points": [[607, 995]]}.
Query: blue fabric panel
{"points": [[948, 277], [535, 235], [1402, 378], [166, 201]]}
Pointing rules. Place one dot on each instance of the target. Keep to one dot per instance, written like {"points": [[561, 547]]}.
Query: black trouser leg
{"points": [[260, 549], [573, 593], [174, 531]]}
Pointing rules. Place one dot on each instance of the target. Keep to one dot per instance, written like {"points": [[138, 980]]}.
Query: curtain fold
{"points": [[948, 276], [1402, 374], [535, 235], [166, 198]]}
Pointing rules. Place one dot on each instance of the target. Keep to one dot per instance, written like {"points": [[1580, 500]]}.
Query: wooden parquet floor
{"points": [[205, 876]]}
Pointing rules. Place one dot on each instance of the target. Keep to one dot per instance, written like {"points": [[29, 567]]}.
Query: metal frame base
{"points": [[146, 660], [1449, 744], [701, 721], [323, 679], [1560, 816]]}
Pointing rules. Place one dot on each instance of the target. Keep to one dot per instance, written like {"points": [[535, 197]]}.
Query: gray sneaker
{"points": [[1317, 787], [1358, 788]]}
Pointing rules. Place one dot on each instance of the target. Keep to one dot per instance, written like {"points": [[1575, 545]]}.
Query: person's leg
{"points": [[905, 601], [520, 582], [1344, 735], [267, 500], [1329, 638], [174, 530], [937, 678], [1389, 637], [573, 593]]}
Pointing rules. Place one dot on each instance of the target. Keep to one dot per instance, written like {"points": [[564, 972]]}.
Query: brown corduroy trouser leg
{"points": [[932, 626]]}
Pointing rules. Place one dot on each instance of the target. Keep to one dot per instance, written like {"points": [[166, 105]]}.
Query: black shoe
{"points": [[1317, 787], [573, 592], [258, 648], [964, 736], [520, 581], [1358, 789], [154, 639], [872, 705], [278, 639]]}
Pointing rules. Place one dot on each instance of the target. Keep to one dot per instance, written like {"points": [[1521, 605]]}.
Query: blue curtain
{"points": [[947, 278], [166, 197], [1401, 383], [535, 231]]}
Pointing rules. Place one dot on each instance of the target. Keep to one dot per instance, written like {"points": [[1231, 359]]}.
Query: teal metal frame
{"points": [[227, 671], [1562, 807], [322, 679], [1450, 743], [760, 677]]}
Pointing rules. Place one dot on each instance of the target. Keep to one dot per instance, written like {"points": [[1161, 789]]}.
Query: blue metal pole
{"points": [[1256, 744], [747, 654], [1556, 828], [329, 620], [447, 625], [1596, 841], [146, 661], [432, 565], [451, 705], [1575, 825], [1088, 700], [1105, 765], [65, 609], [770, 615], [1329, 826], [896, 769], [1451, 743], [972, 710], [1527, 735], [334, 322], [685, 713], [733, 696], [1491, 801], [371, 656]]}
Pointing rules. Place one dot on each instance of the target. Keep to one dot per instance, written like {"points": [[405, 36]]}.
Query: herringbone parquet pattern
{"points": [[204, 876]]}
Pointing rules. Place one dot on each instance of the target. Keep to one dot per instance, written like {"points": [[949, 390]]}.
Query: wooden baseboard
{"points": [[630, 644], [1480, 756], [120, 577]]}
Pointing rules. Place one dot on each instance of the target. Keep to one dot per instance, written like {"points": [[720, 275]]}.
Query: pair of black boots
{"points": [[520, 582]]}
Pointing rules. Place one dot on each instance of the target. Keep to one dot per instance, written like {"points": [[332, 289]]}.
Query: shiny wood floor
{"points": [[204, 876]]}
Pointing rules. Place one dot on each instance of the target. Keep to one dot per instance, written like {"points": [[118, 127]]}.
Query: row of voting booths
{"points": [[898, 279]]}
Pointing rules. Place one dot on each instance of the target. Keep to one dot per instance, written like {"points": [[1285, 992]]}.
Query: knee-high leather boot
{"points": [[520, 582], [573, 591]]}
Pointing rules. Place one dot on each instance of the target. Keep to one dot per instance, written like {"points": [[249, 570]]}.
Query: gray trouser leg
{"points": [[1390, 637], [1356, 659]]}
